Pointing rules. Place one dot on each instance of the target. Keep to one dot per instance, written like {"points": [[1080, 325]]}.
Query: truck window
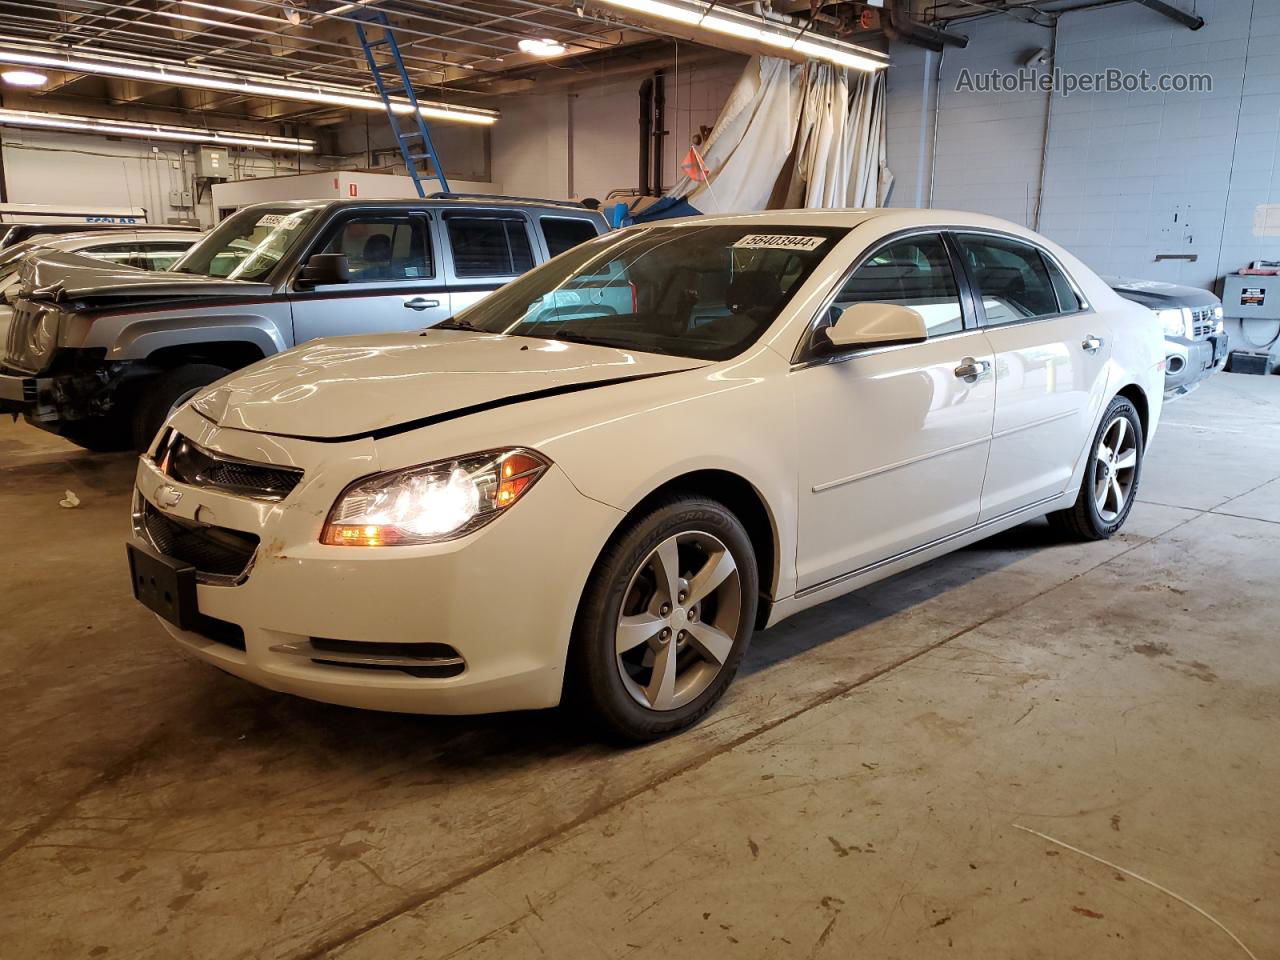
{"points": [[248, 244], [384, 248], [562, 233], [489, 246]]}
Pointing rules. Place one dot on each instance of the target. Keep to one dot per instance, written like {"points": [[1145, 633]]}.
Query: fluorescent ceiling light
{"points": [[736, 23], [24, 78], [151, 131], [541, 47], [659, 8], [250, 85]]}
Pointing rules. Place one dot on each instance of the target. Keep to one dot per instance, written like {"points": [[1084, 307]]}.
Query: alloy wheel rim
{"points": [[1115, 466], [679, 619]]}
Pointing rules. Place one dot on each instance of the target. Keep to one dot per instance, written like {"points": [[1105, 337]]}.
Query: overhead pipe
{"points": [[1188, 20], [900, 26]]}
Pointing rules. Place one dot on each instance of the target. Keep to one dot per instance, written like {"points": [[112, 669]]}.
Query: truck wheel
{"points": [[163, 395], [1110, 483], [665, 620]]}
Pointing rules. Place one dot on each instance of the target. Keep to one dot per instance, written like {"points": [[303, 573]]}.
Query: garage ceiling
{"points": [[456, 50]]}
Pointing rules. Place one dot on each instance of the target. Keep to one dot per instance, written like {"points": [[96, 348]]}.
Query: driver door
{"points": [[394, 283], [894, 439]]}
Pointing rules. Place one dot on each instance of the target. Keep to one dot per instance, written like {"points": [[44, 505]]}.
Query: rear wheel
{"points": [[164, 394], [1110, 483], [666, 618]]}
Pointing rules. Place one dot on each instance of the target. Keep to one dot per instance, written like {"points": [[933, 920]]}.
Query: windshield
{"points": [[246, 245], [689, 291]]}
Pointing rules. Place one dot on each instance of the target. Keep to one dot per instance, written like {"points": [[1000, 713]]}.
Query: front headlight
{"points": [[434, 502], [1218, 314], [1174, 321]]}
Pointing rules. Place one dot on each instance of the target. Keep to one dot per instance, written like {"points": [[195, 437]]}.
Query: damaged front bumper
{"points": [[75, 392]]}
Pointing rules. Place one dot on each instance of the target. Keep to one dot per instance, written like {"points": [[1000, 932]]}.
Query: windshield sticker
{"points": [[286, 220], [778, 241]]}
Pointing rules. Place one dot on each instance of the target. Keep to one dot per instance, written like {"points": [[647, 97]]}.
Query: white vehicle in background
{"points": [[537, 500]]}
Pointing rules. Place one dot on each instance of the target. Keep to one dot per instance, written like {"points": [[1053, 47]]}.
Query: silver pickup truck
{"points": [[103, 355]]}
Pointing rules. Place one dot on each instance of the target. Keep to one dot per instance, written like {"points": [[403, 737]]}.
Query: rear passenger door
{"points": [[395, 282], [1051, 352], [487, 248]]}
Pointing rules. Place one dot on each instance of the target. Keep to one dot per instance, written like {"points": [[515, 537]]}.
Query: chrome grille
{"points": [[1203, 322], [17, 345], [187, 462], [220, 556]]}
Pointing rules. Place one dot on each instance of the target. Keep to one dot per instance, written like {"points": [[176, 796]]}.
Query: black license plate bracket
{"points": [[164, 585]]}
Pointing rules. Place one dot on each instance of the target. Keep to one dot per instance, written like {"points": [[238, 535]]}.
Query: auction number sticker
{"points": [[286, 220], [778, 241]]}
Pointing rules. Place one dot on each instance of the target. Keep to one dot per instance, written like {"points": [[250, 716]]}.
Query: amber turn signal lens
{"points": [[359, 535], [518, 471]]}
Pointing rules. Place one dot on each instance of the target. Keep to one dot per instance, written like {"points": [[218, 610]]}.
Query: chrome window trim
{"points": [[1085, 307], [803, 355], [843, 356]]}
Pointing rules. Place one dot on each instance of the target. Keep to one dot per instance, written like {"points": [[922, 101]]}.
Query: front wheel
{"points": [[1110, 483], [665, 620], [165, 394]]}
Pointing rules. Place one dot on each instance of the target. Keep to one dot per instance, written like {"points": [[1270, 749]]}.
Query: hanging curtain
{"points": [[789, 136]]}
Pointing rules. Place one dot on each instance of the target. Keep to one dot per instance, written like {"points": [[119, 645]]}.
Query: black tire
{"points": [[1083, 519], [595, 682], [155, 400]]}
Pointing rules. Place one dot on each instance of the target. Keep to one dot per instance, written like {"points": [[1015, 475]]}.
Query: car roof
{"points": [[888, 219], [468, 201]]}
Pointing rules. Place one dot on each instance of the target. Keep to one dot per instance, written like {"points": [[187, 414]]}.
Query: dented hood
{"points": [[350, 387], [73, 278]]}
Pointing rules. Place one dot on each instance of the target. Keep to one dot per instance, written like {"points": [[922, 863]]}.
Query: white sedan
{"points": [[598, 482]]}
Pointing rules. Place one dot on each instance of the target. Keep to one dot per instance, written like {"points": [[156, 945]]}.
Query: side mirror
{"points": [[323, 268], [875, 325]]}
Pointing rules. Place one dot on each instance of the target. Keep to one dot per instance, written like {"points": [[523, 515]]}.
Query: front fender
{"points": [[136, 335]]}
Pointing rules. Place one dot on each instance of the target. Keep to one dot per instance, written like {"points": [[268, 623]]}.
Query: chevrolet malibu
{"points": [[595, 484]]}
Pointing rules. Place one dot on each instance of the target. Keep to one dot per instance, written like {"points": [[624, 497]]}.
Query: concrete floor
{"points": [[1028, 749]]}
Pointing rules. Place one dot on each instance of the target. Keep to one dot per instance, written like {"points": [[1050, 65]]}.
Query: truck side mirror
{"points": [[325, 268]]}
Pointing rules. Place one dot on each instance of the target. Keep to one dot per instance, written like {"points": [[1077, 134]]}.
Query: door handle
{"points": [[1091, 344], [421, 303], [970, 369]]}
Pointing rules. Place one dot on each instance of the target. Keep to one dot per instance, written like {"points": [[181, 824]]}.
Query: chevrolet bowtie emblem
{"points": [[167, 496]]}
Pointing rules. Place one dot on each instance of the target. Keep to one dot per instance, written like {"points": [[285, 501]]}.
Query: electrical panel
{"points": [[1251, 297], [213, 163], [181, 199]]}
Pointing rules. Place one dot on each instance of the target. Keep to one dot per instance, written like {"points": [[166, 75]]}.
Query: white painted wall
{"points": [[531, 144], [1119, 168], [49, 167]]}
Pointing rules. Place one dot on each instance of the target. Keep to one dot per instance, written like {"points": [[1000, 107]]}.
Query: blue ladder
{"points": [[415, 141]]}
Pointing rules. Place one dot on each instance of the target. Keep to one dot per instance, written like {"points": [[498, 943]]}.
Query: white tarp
{"points": [[794, 135]]}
